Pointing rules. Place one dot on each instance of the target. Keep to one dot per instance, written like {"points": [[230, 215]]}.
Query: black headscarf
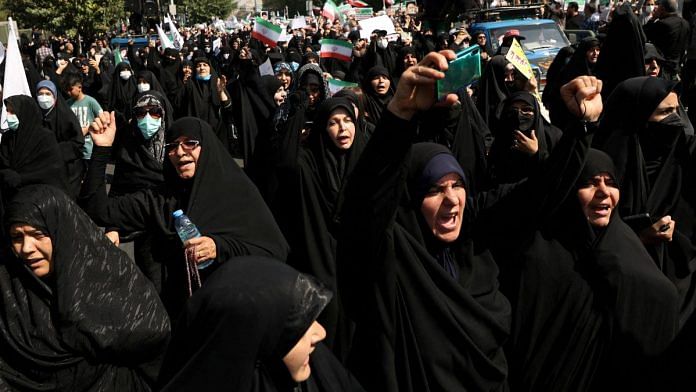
{"points": [[122, 91], [65, 126], [139, 162], [621, 57], [492, 89], [29, 154], [95, 323], [578, 64], [508, 165], [271, 84], [412, 316], [151, 80], [239, 326], [376, 103], [654, 164]]}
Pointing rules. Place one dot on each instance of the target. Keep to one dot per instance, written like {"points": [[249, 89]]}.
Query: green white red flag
{"points": [[266, 32], [330, 11], [333, 48]]}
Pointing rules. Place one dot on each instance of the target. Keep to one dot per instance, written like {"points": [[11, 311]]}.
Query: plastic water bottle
{"points": [[187, 230]]}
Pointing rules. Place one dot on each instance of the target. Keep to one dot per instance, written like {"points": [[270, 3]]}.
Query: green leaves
{"points": [[201, 11]]}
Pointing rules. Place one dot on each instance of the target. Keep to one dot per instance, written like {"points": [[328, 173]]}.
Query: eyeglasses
{"points": [[187, 145], [155, 112]]}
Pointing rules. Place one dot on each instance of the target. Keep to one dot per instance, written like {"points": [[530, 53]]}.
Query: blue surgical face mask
{"points": [[206, 78], [149, 126], [12, 121]]}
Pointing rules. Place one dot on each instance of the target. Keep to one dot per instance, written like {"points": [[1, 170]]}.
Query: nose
{"points": [[27, 247], [451, 197], [602, 190]]}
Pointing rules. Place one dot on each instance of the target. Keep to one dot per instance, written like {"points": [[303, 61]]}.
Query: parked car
{"points": [[543, 40]]}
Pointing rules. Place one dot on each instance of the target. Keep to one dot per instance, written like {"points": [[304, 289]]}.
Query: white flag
{"points": [[178, 39], [15, 82], [166, 43]]}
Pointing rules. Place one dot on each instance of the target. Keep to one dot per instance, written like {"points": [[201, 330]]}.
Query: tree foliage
{"points": [[294, 6], [201, 11], [85, 17]]}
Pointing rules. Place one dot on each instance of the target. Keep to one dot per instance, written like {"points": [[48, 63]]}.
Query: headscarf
{"points": [[29, 154], [578, 64], [121, 92], [271, 84], [151, 80], [492, 89], [376, 103], [94, 323], [237, 328], [508, 165]]}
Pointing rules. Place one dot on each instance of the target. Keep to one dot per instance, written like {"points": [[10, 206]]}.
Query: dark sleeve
{"points": [[507, 211], [372, 196], [129, 212], [135, 62], [71, 149]]}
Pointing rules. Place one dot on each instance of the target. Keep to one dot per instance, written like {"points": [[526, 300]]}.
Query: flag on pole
{"points": [[178, 40], [333, 48], [266, 32], [2, 52], [164, 40], [15, 82], [357, 3], [336, 85], [330, 11]]}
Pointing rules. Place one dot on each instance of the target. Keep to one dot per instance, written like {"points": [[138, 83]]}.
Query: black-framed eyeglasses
{"points": [[187, 145], [155, 111]]}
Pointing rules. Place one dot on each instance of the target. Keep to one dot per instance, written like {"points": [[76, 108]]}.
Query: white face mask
{"points": [[125, 75], [12, 121], [649, 9], [382, 43], [45, 101], [142, 87], [226, 56]]}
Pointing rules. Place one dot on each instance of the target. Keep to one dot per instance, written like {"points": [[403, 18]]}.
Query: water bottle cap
{"points": [[177, 213]]}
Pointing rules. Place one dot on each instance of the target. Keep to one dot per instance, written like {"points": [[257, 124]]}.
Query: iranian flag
{"points": [[357, 3], [330, 11], [336, 85], [333, 48], [266, 32]]}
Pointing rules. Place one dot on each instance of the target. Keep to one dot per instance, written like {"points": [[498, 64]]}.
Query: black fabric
{"points": [[670, 34], [492, 89], [591, 310], [551, 97], [65, 126], [238, 327], [621, 57], [151, 80], [508, 165], [670, 192], [94, 324], [578, 64], [376, 103], [121, 92], [417, 328], [29, 154], [220, 200], [307, 209], [463, 131]]}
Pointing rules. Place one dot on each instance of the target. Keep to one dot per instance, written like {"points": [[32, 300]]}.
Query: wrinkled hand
{"points": [[582, 97], [416, 89], [202, 248], [113, 237], [532, 85], [103, 129], [221, 83], [652, 235], [524, 144]]}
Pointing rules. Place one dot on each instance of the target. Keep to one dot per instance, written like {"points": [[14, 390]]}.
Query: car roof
{"points": [[510, 23]]}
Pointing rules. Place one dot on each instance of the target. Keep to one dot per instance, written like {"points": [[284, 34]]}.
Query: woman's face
{"points": [[279, 96], [183, 153], [202, 69], [341, 128], [443, 207], [652, 68], [285, 78], [598, 198], [34, 247], [380, 84], [297, 360], [592, 55], [668, 106]]}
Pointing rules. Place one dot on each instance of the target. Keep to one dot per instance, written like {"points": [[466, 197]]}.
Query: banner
{"points": [[516, 56], [382, 22], [364, 13]]}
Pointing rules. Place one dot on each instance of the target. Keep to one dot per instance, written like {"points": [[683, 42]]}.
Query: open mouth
{"points": [[602, 209], [448, 221]]}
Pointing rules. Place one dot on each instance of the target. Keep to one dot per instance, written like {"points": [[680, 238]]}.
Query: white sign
{"points": [[383, 22], [298, 23]]}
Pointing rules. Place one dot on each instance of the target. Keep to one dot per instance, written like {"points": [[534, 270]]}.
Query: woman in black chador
{"points": [[77, 314], [251, 328], [202, 179]]}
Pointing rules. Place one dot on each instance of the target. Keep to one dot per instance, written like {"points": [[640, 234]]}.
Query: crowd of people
{"points": [[375, 237]]}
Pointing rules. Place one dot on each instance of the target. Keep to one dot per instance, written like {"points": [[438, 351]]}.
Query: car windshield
{"points": [[536, 36]]}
